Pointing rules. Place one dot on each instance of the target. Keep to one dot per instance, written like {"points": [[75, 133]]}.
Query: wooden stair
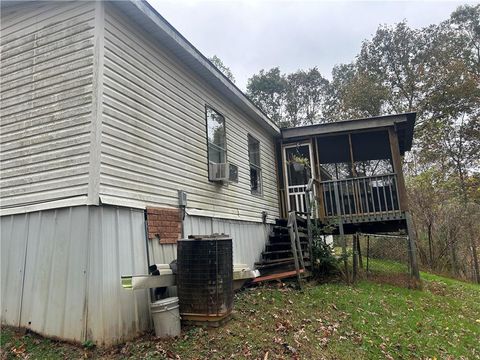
{"points": [[277, 260], [276, 276]]}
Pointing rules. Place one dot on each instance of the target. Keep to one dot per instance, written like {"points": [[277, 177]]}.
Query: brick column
{"points": [[164, 224]]}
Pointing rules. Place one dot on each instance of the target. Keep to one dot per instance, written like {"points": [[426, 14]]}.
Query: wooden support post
{"points": [[341, 231], [415, 273], [282, 175], [368, 251], [359, 250], [355, 258], [309, 224], [397, 167]]}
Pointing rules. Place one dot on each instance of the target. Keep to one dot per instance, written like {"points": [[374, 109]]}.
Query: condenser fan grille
{"points": [[205, 278]]}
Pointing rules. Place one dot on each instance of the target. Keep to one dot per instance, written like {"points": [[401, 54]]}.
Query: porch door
{"points": [[298, 170]]}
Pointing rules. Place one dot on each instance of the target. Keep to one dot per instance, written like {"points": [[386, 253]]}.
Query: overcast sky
{"points": [[253, 35]]}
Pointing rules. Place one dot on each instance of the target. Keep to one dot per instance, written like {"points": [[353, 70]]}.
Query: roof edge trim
{"points": [[248, 106]]}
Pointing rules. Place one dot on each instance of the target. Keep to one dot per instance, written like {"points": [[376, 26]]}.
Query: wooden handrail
{"points": [[296, 245], [355, 178]]}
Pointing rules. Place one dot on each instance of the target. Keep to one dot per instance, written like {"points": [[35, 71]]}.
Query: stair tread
{"points": [[273, 261], [275, 266], [286, 243], [300, 234], [278, 252]]}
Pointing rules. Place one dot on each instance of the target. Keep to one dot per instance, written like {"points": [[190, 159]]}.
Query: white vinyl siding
{"points": [[154, 132], [46, 101]]}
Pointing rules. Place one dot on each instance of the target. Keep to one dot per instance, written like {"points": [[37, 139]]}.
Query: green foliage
{"points": [[332, 321], [16, 344], [267, 90], [395, 58], [324, 261], [224, 69], [434, 71], [444, 220], [354, 93], [88, 344], [299, 160], [289, 99]]}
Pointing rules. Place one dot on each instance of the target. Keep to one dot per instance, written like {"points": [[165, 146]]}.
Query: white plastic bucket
{"points": [[166, 317]]}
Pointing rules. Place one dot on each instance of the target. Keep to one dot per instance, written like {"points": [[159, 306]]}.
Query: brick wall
{"points": [[164, 224]]}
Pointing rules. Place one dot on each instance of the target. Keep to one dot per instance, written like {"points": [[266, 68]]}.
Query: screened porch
{"points": [[354, 168]]}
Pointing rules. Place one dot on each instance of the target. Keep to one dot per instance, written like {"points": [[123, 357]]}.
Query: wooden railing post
{"points": [[397, 166]]}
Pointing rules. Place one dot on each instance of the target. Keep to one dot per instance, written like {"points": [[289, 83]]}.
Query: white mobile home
{"points": [[107, 110], [118, 137]]}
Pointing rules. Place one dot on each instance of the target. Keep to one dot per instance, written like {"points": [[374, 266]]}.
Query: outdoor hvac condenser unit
{"points": [[205, 279]]}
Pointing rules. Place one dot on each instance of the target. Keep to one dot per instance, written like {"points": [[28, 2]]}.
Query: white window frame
{"points": [[211, 144], [258, 168]]}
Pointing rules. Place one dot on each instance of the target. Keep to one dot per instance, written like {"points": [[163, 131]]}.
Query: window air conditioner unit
{"points": [[219, 171]]}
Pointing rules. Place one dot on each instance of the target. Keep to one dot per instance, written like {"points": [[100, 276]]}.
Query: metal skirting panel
{"points": [[162, 253], [117, 248], [249, 238], [55, 269], [13, 242], [61, 269]]}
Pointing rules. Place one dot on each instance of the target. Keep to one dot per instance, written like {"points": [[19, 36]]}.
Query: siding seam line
{"points": [[97, 102], [25, 265]]}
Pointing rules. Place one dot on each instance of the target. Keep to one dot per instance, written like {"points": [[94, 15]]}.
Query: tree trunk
{"points": [[430, 245], [473, 245], [453, 253]]}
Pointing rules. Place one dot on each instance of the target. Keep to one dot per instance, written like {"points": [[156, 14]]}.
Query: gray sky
{"points": [[252, 35]]}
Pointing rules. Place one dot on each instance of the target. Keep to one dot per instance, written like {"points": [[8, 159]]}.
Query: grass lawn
{"points": [[370, 320]]}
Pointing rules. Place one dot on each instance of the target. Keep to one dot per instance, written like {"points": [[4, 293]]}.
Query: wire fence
{"points": [[382, 258]]}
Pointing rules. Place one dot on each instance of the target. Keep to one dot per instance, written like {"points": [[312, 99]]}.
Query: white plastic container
{"points": [[166, 317]]}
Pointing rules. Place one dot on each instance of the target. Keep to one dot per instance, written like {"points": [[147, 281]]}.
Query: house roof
{"points": [[145, 16], [404, 124]]}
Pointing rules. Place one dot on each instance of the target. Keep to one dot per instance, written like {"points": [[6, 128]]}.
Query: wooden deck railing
{"points": [[362, 196]]}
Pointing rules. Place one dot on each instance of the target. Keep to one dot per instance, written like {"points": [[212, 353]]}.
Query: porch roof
{"points": [[403, 123]]}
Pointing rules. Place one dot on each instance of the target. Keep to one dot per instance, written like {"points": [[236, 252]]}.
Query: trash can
{"points": [[166, 317]]}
